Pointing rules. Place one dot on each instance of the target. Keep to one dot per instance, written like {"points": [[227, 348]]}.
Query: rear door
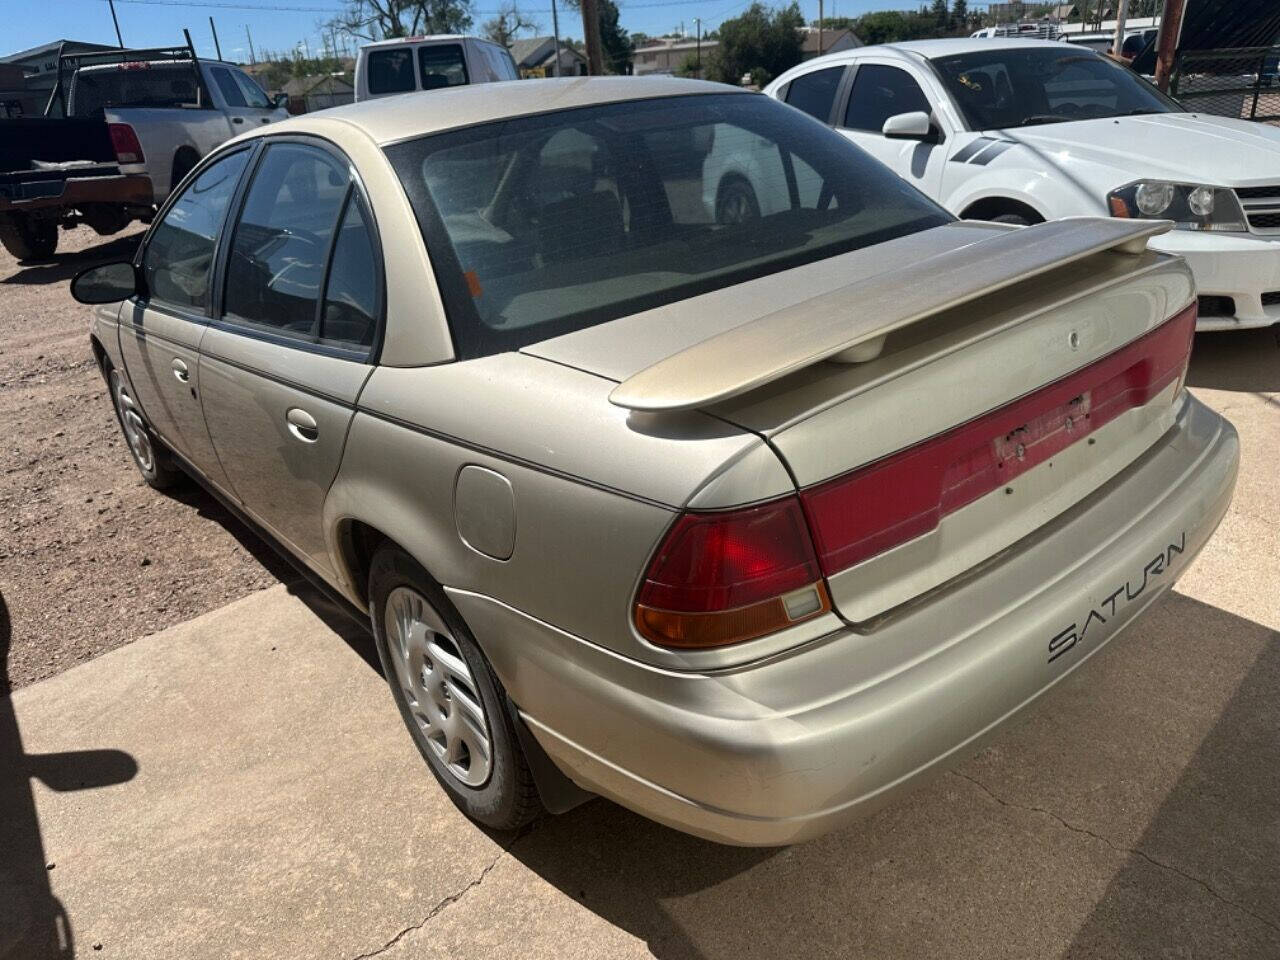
{"points": [[880, 90], [292, 344], [160, 333]]}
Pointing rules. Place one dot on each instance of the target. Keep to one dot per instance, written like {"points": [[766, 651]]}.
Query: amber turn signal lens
{"points": [[670, 628]]}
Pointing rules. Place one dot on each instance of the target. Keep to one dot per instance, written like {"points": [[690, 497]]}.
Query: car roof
{"points": [[423, 38], [408, 115], [941, 48]]}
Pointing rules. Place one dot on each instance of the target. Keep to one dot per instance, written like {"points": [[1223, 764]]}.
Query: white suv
{"points": [[1023, 131]]}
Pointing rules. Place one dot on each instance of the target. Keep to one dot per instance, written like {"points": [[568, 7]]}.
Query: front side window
{"points": [[541, 225], [1019, 87], [252, 93], [814, 93], [390, 71], [228, 87], [282, 239], [442, 65], [880, 92], [179, 254]]}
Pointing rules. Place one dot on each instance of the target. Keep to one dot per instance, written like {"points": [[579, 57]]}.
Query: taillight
{"points": [[729, 576], [125, 143], [875, 508]]}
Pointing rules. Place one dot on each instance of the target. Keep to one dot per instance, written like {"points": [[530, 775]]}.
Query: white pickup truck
{"points": [[121, 129], [1022, 131]]}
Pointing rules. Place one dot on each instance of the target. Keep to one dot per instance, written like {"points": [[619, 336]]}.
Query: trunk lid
{"points": [[966, 430]]}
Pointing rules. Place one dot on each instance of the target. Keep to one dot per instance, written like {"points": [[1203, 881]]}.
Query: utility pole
{"points": [[216, 47], [119, 39], [1167, 42], [1117, 44], [697, 56], [591, 34], [819, 27], [248, 36], [555, 35]]}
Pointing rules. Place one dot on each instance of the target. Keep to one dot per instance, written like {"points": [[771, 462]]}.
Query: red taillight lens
{"points": [[125, 143], [878, 507], [724, 577]]}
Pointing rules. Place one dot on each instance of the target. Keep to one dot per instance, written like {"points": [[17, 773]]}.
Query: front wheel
{"points": [[736, 202], [149, 457], [448, 696]]}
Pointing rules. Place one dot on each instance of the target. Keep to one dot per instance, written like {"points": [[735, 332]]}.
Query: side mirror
{"points": [[281, 100], [908, 126], [106, 283]]}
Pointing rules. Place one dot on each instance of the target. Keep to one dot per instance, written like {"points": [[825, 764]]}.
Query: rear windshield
{"points": [[390, 71], [543, 225], [158, 85], [442, 66]]}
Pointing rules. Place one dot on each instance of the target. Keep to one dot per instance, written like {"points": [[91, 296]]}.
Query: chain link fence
{"points": [[1241, 82]]}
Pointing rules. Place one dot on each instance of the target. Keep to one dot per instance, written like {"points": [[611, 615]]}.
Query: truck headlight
{"points": [[1190, 206]]}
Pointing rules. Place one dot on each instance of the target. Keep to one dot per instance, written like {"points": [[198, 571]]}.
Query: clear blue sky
{"points": [[283, 24]]}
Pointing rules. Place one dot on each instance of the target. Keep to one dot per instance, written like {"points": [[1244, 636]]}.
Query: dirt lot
{"points": [[90, 558]]}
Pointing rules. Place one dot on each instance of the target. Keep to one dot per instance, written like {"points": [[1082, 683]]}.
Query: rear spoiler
{"points": [[849, 324]]}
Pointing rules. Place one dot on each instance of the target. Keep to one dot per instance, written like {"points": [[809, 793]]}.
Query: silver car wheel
{"points": [[135, 431], [438, 687]]}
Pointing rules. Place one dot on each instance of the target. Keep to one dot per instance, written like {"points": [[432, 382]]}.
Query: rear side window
{"points": [[880, 92], [179, 255], [390, 71], [281, 242], [442, 65], [351, 293], [814, 93], [229, 88]]}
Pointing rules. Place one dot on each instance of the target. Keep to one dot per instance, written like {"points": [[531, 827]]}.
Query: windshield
{"points": [[542, 225], [1023, 86]]}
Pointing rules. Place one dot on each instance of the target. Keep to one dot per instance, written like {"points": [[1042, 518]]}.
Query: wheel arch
{"points": [[987, 208]]}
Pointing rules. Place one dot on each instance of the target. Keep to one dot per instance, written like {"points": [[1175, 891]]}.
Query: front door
{"points": [[880, 91], [160, 333], [283, 364]]}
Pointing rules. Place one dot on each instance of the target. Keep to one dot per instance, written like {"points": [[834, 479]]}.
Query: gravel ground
{"points": [[90, 557]]}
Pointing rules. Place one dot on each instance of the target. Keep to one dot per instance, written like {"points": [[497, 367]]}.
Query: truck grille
{"points": [[1261, 207]]}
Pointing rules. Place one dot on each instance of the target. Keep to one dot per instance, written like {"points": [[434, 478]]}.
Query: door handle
{"points": [[237, 119], [180, 370], [302, 425]]}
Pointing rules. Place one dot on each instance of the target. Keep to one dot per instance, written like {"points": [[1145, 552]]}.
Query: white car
{"points": [[1023, 131]]}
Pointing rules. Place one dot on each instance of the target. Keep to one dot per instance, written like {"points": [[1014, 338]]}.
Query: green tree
{"points": [[941, 15], [960, 14], [893, 26], [760, 42], [615, 44]]}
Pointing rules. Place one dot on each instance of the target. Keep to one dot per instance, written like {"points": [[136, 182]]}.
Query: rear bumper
{"points": [[794, 746], [1239, 266], [127, 189]]}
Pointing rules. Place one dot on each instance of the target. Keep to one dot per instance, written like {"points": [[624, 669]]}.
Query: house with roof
{"points": [[40, 64], [536, 57], [832, 41]]}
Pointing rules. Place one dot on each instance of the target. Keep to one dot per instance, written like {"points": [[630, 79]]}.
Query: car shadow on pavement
{"points": [[33, 923], [1246, 361], [920, 874], [63, 266]]}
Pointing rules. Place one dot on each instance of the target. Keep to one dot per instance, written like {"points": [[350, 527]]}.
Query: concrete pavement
{"points": [[251, 794]]}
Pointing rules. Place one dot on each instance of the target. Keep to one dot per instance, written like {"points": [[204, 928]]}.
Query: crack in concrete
{"points": [[1134, 851], [442, 904]]}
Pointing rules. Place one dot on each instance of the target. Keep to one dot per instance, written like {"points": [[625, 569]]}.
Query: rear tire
{"points": [[149, 455], [183, 163], [448, 696], [29, 238]]}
